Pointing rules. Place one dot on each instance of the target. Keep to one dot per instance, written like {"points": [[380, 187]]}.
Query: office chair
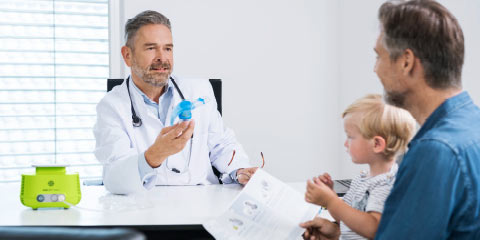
{"points": [[217, 91], [216, 85]]}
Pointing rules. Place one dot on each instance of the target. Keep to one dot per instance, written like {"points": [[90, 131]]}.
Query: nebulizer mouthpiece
{"points": [[184, 109]]}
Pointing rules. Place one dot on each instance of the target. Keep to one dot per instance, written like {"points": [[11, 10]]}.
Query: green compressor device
{"points": [[50, 186]]}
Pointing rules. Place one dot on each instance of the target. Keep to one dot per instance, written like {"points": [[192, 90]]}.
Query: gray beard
{"points": [[153, 79], [156, 80]]}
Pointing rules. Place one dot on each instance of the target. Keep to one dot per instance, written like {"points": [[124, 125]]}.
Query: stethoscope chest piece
{"points": [[136, 121]]}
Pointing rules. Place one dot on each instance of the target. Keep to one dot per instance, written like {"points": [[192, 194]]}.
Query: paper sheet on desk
{"points": [[266, 208]]}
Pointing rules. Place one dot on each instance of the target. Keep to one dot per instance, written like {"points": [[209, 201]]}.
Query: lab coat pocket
{"points": [[200, 160]]}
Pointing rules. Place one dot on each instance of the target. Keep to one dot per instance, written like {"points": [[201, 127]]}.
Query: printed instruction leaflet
{"points": [[266, 208]]}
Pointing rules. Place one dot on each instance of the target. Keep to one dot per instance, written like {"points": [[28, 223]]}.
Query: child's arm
{"points": [[363, 223]]}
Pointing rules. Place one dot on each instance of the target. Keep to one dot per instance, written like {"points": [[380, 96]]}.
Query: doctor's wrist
{"points": [[154, 159]]}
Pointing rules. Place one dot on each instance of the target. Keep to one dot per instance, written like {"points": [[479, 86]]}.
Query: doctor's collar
{"points": [[146, 99]]}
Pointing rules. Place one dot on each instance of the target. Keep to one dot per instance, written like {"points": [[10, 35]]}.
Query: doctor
{"points": [[135, 141]]}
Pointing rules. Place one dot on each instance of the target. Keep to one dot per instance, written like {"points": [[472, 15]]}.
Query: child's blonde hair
{"points": [[393, 124]]}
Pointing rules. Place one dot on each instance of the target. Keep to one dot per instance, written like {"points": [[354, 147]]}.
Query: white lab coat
{"points": [[119, 144]]}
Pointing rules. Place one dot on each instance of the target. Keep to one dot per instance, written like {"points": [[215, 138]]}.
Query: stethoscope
{"points": [[137, 122]]}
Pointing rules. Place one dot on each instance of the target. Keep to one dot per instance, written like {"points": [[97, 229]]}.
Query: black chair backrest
{"points": [[112, 82], [217, 91], [216, 85]]}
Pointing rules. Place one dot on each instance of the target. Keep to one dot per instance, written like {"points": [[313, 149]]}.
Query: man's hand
{"points": [[171, 140], [321, 229], [319, 193], [244, 174], [325, 178]]}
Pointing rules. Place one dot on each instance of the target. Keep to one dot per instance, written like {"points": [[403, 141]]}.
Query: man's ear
{"points": [[379, 144], [127, 55], [408, 62]]}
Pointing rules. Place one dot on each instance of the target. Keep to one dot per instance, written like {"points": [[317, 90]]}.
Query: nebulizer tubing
{"points": [[118, 203], [86, 209]]}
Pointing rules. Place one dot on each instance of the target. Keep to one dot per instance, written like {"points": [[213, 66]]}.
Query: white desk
{"points": [[162, 206]]}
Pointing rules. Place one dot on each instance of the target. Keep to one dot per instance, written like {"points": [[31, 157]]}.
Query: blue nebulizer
{"points": [[184, 109]]}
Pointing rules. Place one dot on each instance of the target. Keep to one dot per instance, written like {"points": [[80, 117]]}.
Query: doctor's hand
{"points": [[319, 193], [320, 228], [244, 174], [171, 140]]}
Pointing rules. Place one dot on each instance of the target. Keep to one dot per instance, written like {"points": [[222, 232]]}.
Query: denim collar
{"points": [[450, 105], [146, 99]]}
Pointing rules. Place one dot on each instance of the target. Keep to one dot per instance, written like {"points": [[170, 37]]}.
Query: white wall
{"points": [[289, 69]]}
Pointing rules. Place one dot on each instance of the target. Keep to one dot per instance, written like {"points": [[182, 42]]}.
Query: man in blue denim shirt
{"points": [[420, 56], [436, 194]]}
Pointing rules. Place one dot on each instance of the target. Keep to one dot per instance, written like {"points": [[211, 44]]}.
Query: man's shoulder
{"points": [[444, 151], [115, 97], [458, 131]]}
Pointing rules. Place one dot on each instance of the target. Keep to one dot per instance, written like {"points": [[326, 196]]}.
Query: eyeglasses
{"points": [[261, 153]]}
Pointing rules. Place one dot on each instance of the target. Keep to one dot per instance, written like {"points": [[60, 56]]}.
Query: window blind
{"points": [[54, 62]]}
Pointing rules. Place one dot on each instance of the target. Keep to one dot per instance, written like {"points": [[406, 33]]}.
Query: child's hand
{"points": [[325, 178], [319, 193]]}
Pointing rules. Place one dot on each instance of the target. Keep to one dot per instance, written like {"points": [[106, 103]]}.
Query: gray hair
{"points": [[144, 18], [431, 32]]}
